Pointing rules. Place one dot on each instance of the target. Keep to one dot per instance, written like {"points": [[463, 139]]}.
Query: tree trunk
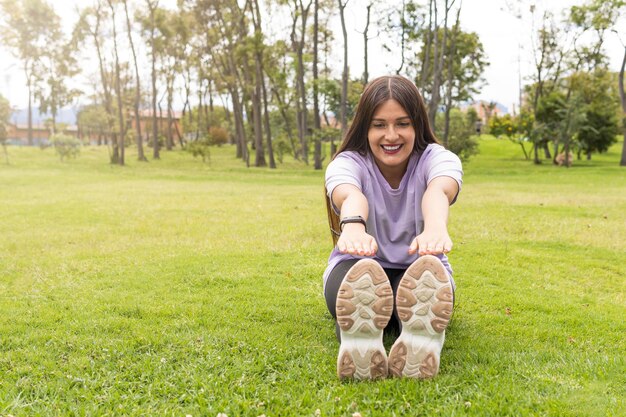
{"points": [[427, 47], [403, 29], [303, 122], [155, 128], [108, 106], [433, 105], [622, 97], [138, 139], [199, 119], [261, 80], [448, 99], [343, 109], [30, 108], [365, 46], [118, 89], [317, 124], [170, 99], [239, 125], [257, 97]]}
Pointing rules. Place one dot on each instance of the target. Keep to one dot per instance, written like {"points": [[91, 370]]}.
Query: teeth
{"points": [[391, 148]]}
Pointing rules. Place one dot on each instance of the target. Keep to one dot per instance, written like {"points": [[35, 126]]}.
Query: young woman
{"points": [[389, 188]]}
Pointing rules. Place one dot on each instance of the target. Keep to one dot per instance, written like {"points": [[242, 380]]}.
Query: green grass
{"points": [[177, 288]]}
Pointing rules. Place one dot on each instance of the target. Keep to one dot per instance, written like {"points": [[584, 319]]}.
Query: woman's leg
{"points": [[335, 278]]}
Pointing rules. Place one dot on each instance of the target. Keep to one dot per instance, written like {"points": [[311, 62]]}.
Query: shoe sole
{"points": [[424, 303], [364, 307]]}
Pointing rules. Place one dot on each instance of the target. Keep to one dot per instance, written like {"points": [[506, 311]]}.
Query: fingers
{"points": [[357, 245], [430, 245]]}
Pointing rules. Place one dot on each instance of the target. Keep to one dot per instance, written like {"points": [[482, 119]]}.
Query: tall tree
{"points": [[345, 74], [622, 96], [5, 115], [317, 124], [259, 61], [27, 28], [302, 10], [118, 86], [152, 11], [90, 25], [439, 53], [137, 101]]}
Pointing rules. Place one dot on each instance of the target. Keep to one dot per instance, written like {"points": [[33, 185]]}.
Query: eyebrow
{"points": [[384, 120]]}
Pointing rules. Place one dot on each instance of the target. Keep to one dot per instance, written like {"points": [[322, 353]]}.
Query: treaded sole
{"points": [[424, 304], [364, 307]]}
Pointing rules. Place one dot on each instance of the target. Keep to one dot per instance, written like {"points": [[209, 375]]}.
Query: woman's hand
{"points": [[431, 242], [355, 241]]}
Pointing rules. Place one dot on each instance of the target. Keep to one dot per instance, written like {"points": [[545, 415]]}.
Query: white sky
{"points": [[505, 40]]}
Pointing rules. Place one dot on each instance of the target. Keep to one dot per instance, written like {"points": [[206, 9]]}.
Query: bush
{"points": [[461, 137], [218, 136], [66, 146]]}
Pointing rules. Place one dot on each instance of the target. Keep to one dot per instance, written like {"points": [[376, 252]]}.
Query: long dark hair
{"points": [[376, 93]]}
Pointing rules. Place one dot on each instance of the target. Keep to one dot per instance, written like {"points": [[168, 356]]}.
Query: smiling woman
{"points": [[390, 185]]}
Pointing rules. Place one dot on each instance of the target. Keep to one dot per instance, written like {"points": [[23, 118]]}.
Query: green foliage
{"points": [[200, 148], [66, 146], [468, 65], [208, 119], [330, 95], [462, 135], [281, 147]]}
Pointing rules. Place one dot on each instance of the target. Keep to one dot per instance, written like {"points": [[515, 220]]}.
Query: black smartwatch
{"points": [[352, 219]]}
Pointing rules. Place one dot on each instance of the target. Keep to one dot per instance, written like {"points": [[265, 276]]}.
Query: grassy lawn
{"points": [[177, 288]]}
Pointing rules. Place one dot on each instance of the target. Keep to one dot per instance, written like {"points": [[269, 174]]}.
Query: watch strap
{"points": [[353, 219]]}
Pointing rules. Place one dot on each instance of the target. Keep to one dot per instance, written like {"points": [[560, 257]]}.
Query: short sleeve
{"points": [[444, 163], [343, 170]]}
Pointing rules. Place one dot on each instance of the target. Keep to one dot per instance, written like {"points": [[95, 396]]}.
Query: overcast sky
{"points": [[506, 40]]}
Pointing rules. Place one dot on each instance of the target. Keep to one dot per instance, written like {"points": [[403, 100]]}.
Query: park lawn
{"points": [[180, 288]]}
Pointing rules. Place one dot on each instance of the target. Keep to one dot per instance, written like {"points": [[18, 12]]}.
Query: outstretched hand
{"points": [[431, 243], [355, 241]]}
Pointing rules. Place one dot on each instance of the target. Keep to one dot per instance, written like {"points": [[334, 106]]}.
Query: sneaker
{"points": [[364, 307], [424, 305]]}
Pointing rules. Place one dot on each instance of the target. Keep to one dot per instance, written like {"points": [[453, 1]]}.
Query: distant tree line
{"points": [[260, 73], [573, 105]]}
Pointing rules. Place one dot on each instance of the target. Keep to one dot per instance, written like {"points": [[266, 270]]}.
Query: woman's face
{"points": [[391, 136]]}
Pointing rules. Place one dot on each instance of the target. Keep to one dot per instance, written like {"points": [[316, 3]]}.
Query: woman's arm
{"points": [[353, 239], [435, 207]]}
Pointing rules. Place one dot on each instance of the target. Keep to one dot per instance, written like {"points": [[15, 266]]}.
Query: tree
{"points": [[461, 137], [622, 96], [89, 25], [65, 146], [150, 27], [28, 28], [93, 120], [5, 114], [118, 87], [343, 110], [137, 101]]}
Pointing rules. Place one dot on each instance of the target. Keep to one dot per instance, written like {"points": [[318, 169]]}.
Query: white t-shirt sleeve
{"points": [[445, 164], [342, 170]]}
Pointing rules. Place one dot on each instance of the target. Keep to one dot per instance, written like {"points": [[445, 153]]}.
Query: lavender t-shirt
{"points": [[395, 215]]}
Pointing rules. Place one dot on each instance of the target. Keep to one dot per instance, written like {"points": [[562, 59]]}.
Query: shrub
{"points": [[461, 137], [66, 146], [218, 135]]}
